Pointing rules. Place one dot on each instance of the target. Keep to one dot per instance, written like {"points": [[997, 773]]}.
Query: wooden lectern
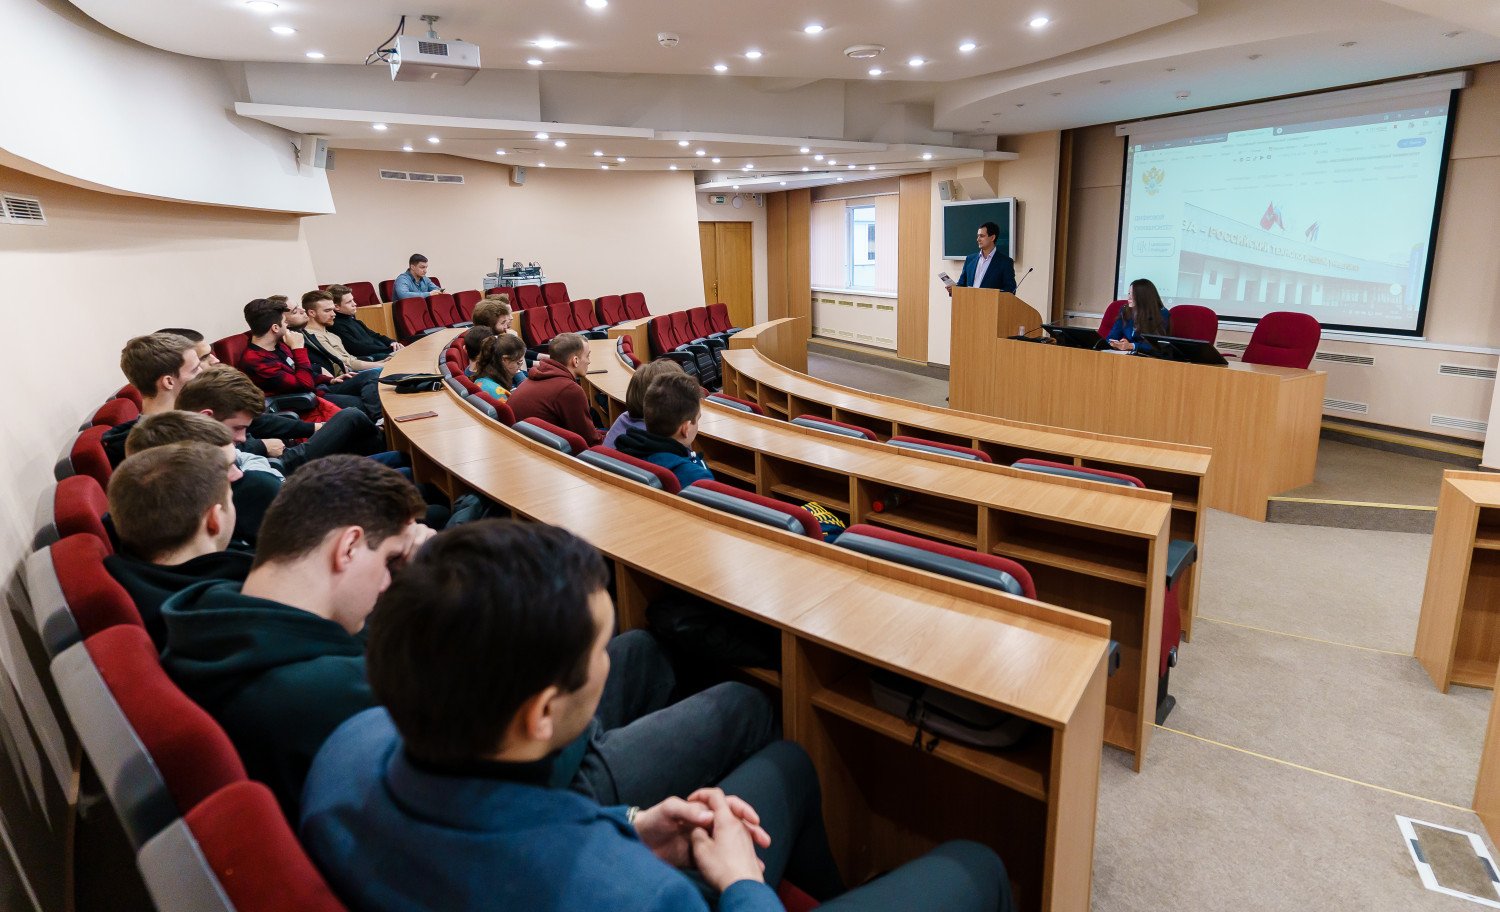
{"points": [[981, 318]]}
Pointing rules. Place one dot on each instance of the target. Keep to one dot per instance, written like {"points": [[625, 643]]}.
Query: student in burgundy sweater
{"points": [[552, 393]]}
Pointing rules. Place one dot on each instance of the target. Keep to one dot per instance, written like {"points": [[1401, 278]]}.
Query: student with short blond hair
{"points": [[157, 365]]}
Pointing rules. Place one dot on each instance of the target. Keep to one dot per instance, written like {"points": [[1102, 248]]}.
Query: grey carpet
{"points": [[886, 381], [1347, 471]]}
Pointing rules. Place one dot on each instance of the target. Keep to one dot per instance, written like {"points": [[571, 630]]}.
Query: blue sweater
{"points": [[1125, 329], [390, 836]]}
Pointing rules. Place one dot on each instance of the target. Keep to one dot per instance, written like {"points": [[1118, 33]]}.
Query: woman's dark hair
{"points": [[1149, 314], [487, 615], [490, 363]]}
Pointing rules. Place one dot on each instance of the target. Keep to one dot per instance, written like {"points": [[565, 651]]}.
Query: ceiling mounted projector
{"points": [[434, 60]]}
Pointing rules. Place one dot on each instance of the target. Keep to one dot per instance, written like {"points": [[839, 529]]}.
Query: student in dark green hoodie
{"points": [[169, 543]]}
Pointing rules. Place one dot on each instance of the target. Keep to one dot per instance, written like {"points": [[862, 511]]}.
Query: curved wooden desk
{"points": [[757, 368], [840, 615], [1091, 547]]}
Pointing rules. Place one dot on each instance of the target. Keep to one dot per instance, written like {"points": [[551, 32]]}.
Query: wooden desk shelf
{"points": [[804, 483], [1458, 633]]}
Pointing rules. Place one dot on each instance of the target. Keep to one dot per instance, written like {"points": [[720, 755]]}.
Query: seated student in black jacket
{"points": [[157, 366], [169, 543], [359, 339], [252, 491]]}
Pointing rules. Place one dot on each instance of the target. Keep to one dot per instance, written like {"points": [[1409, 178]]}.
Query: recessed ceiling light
{"points": [[671, 167], [542, 136], [783, 183], [434, 140], [850, 167], [840, 179], [406, 148], [735, 187], [621, 159], [541, 164], [869, 167], [804, 167], [598, 152], [700, 153], [261, 6], [283, 30], [915, 62], [753, 54], [818, 157], [715, 160], [833, 161], [926, 156], [314, 55], [604, 167], [1105, 82], [499, 151], [682, 142], [967, 46], [1347, 44], [533, 62], [596, 4], [547, 44], [804, 150], [812, 28], [1039, 22], [876, 71], [750, 166], [721, 68], [561, 144], [1171, 69], [378, 126]]}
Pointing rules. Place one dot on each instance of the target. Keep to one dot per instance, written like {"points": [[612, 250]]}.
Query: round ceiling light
{"points": [[812, 28], [381, 127], [753, 54], [916, 62], [682, 142], [542, 136], [721, 68], [876, 71], [1039, 22], [967, 46], [863, 51], [314, 55], [533, 62], [283, 30], [434, 140], [547, 44], [596, 4], [261, 6]]}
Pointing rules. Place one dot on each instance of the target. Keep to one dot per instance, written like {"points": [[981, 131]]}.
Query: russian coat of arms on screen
{"points": [[1152, 180]]}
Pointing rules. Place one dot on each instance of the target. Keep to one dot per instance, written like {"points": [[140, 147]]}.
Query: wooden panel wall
{"points": [[914, 258], [799, 254], [776, 255]]}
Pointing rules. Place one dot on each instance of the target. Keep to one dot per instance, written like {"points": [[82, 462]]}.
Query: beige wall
{"points": [[1403, 387], [105, 268], [601, 232]]}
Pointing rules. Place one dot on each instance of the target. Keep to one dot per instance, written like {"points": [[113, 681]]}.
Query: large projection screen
{"points": [[1326, 205]]}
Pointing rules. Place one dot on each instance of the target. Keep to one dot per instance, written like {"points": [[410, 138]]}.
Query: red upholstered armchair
{"points": [[1284, 339], [1192, 321], [1111, 313]]}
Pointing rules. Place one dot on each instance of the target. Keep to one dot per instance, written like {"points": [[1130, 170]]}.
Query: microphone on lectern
{"points": [[1023, 278]]}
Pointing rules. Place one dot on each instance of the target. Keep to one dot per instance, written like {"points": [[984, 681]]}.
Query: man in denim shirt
{"points": [[413, 283]]}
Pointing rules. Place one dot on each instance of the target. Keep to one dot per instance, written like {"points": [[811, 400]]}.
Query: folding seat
{"points": [[1181, 554], [537, 330], [682, 331], [73, 596], [586, 321], [555, 293], [413, 319], [364, 294], [949, 560], [436, 281], [525, 297], [626, 350], [635, 305], [549, 434], [734, 402], [938, 448], [234, 852], [466, 301], [702, 331], [561, 316], [78, 507], [231, 349], [761, 509], [388, 290], [610, 309], [647, 473], [818, 423], [129, 392], [453, 362], [468, 387], [491, 407], [1111, 313], [87, 455], [445, 311], [659, 333], [718, 319], [115, 411]]}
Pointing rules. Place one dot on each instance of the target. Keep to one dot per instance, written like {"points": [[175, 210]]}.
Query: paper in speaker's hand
{"points": [[947, 280]]}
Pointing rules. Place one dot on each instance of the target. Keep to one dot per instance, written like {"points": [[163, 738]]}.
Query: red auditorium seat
{"points": [[547, 433], [189, 748], [603, 456], [850, 539], [1067, 469], [635, 305], [1284, 339], [1193, 321], [525, 297], [78, 506], [626, 350], [234, 852], [725, 497], [444, 310], [555, 293], [942, 449], [503, 414], [610, 309], [436, 281], [536, 327], [88, 457], [96, 601], [413, 318], [364, 294], [718, 318], [115, 411], [735, 402], [698, 320], [584, 317], [561, 315], [129, 392], [388, 290], [231, 349], [466, 301], [818, 422], [1111, 313]]}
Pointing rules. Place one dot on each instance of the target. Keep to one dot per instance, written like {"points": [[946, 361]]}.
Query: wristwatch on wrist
{"points": [[631, 813]]}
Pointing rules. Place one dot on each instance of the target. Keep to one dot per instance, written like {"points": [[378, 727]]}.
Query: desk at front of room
{"points": [[840, 615]]}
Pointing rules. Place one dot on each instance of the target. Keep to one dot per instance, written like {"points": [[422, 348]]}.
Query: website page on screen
{"points": [[1331, 217]]}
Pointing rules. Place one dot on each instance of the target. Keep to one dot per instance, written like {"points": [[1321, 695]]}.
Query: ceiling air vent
{"points": [[1344, 405], [1342, 358], [1231, 346], [418, 176], [1461, 424], [21, 210], [450, 178], [1473, 373], [393, 175]]}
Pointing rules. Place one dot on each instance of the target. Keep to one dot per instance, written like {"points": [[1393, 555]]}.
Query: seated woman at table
{"points": [[1144, 314], [498, 369]]}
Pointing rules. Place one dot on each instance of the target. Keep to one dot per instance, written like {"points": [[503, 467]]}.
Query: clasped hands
{"points": [[715, 832]]}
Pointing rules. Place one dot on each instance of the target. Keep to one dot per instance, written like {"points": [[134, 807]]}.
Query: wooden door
{"points": [[728, 268]]}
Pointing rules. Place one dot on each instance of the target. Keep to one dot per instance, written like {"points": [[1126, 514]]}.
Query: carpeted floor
{"points": [[1303, 724]]}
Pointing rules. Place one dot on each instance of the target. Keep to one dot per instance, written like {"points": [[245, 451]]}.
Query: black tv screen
{"points": [[961, 222]]}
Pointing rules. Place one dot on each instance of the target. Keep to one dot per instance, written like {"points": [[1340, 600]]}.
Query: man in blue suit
{"points": [[988, 267]]}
